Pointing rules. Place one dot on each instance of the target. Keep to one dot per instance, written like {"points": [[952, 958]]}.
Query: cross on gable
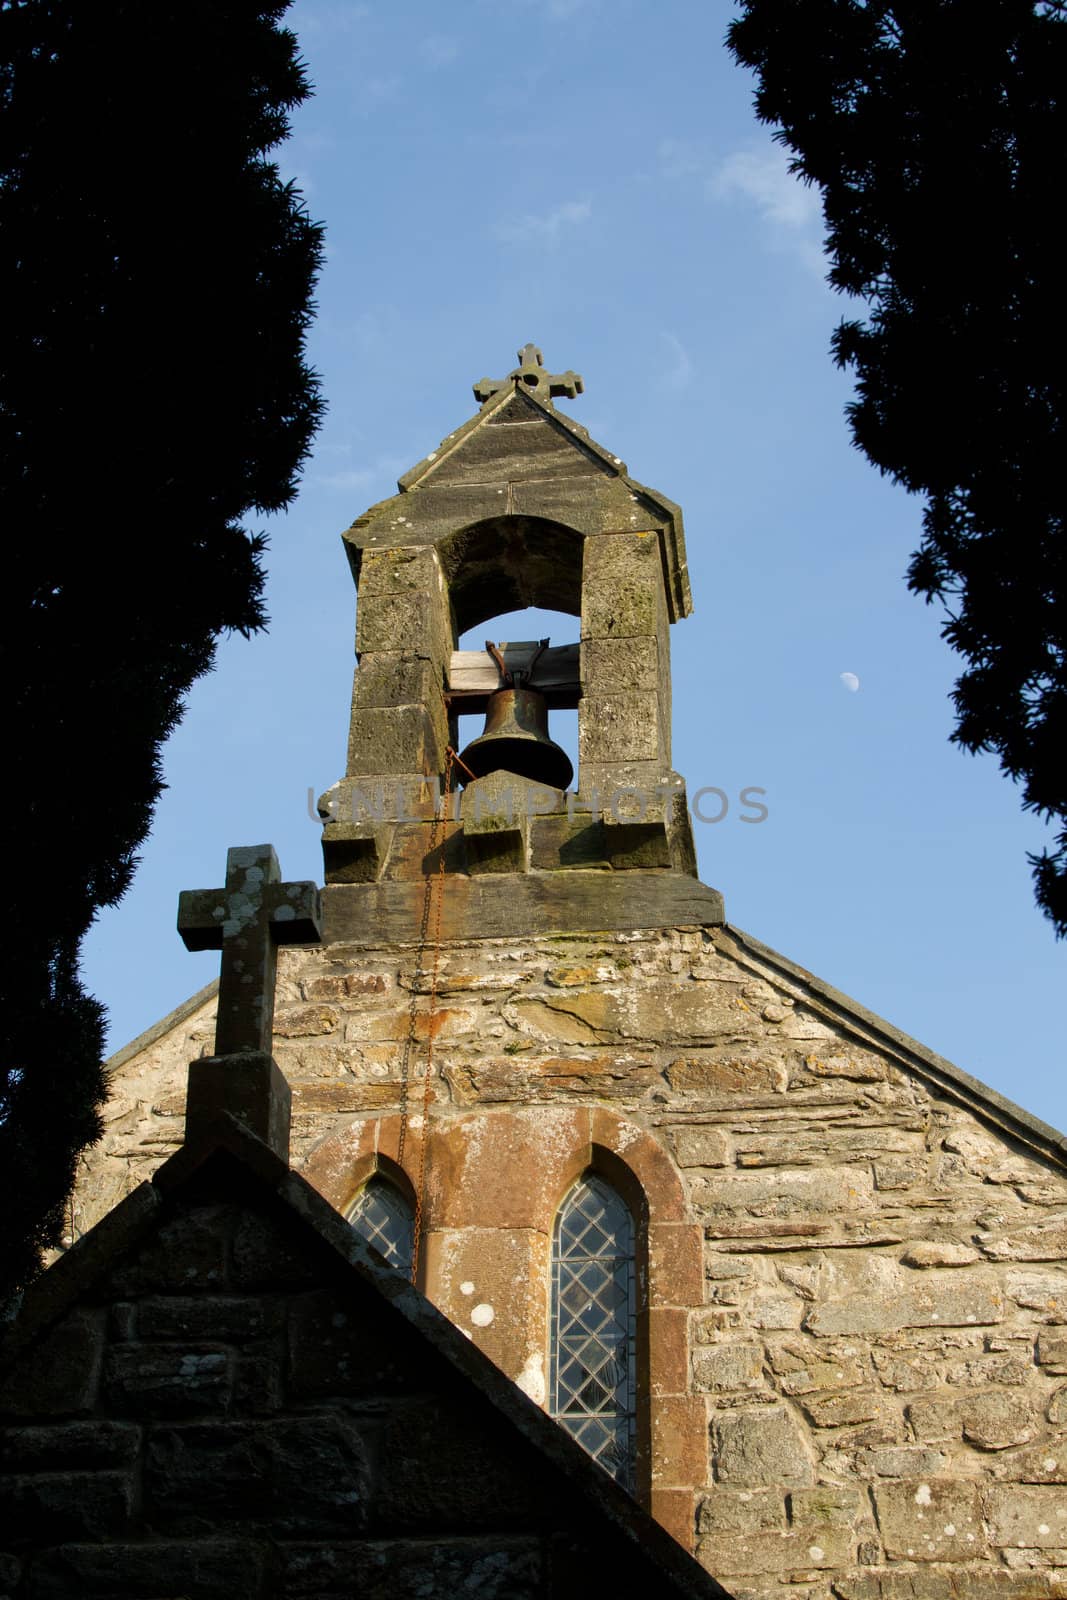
{"points": [[247, 920], [530, 375]]}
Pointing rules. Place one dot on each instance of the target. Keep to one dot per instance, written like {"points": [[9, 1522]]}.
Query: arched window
{"points": [[593, 1368], [382, 1215]]}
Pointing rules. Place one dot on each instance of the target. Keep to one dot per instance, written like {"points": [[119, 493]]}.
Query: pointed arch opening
{"points": [[384, 1217], [593, 1325]]}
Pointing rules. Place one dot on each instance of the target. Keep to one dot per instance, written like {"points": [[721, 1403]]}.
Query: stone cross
{"points": [[247, 920], [530, 375]]}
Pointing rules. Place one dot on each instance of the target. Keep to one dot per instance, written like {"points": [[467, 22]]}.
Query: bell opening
{"points": [[553, 760]]}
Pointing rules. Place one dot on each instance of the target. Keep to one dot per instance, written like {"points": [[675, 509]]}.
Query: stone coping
{"points": [[934, 1069]]}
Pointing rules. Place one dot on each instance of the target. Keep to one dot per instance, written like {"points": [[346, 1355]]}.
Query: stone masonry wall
{"points": [[232, 1407], [859, 1390]]}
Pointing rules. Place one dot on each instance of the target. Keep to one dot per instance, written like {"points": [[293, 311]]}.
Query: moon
{"points": [[850, 681]]}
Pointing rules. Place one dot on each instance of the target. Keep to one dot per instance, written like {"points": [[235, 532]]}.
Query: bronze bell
{"points": [[516, 739]]}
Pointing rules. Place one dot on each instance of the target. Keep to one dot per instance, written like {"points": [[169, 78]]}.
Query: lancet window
{"points": [[593, 1368], [385, 1219]]}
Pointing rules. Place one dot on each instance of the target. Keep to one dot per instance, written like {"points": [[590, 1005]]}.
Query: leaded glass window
{"points": [[382, 1215], [593, 1372]]}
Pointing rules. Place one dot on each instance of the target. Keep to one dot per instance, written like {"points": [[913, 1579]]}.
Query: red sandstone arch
{"points": [[509, 1168]]}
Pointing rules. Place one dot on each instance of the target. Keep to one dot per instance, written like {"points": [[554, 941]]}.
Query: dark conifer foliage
{"points": [[937, 132], [156, 279]]}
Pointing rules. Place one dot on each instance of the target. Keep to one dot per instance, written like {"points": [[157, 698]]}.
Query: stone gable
{"points": [[857, 1295], [219, 1393]]}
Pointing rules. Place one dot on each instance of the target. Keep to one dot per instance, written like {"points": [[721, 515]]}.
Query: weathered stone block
{"points": [[1041, 1241], [817, 1375], [925, 1520], [825, 1505], [400, 739], [621, 727], [860, 1065], [620, 663], [761, 1446], [676, 1263], [301, 1475], [59, 1375], [996, 1421], [630, 844], [189, 1252], [431, 1477], [679, 1441], [963, 1298], [742, 1555], [935, 1421], [331, 1351], [394, 680], [167, 1380], [199, 1567], [67, 1446], [906, 1461], [741, 1074], [700, 1147], [980, 1582], [1001, 1367], [1052, 1352], [50, 1508], [622, 607], [742, 1510], [827, 1191], [1031, 1518], [388, 623], [727, 1367], [493, 1568], [1039, 1291], [938, 1253], [264, 1256], [835, 1410], [221, 1318], [1043, 1463], [403, 570]]}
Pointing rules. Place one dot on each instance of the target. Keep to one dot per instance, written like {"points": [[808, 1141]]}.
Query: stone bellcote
{"points": [[519, 507]]}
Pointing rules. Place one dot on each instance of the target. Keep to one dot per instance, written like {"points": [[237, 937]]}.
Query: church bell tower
{"points": [[519, 507]]}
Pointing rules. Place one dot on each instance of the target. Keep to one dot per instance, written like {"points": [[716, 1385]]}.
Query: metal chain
{"points": [[438, 840]]}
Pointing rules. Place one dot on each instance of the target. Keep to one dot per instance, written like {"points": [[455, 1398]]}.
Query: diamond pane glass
{"points": [[594, 1316], [383, 1217]]}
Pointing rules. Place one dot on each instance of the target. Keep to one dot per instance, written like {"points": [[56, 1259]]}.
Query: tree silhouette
{"points": [[156, 276], [936, 131]]}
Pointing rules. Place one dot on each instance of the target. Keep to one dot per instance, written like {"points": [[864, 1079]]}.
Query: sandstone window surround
{"points": [[495, 1180]]}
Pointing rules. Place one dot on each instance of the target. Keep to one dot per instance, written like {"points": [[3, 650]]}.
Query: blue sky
{"points": [[590, 176]]}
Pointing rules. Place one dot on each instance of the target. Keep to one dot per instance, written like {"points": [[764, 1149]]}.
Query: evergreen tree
{"points": [[156, 278], [936, 130]]}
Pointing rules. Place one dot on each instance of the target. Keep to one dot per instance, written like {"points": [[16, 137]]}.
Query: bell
{"points": [[516, 740]]}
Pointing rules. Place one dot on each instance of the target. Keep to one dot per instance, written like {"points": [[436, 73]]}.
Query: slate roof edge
{"points": [[57, 1290], [173, 1019], [977, 1096]]}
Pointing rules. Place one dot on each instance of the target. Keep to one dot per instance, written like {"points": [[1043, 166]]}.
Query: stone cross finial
{"points": [[530, 375], [247, 920]]}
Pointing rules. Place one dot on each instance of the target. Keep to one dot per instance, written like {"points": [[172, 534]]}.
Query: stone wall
{"points": [[855, 1304]]}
